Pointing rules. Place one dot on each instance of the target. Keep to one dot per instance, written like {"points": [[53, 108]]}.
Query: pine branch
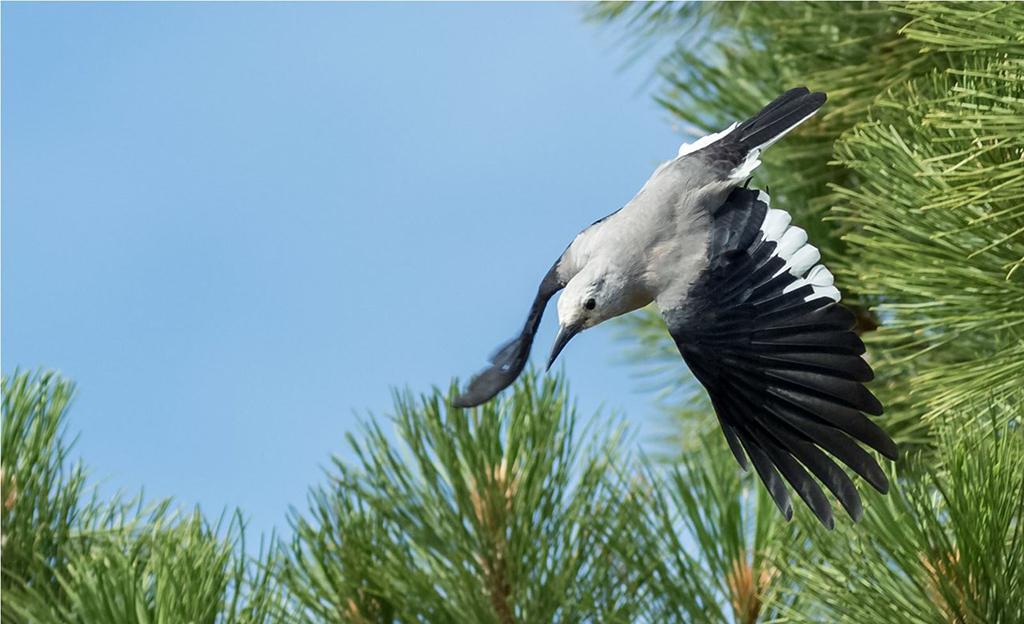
{"points": [[42, 490], [498, 514], [946, 544], [67, 558], [708, 545]]}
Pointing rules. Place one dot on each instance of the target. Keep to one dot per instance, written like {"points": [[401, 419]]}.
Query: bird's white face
{"points": [[577, 310], [579, 305], [591, 297]]}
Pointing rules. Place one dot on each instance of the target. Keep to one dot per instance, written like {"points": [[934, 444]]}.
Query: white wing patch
{"points": [[746, 168], [701, 143], [801, 257]]}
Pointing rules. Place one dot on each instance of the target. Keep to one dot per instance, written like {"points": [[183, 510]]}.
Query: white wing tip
{"points": [[792, 241], [819, 275], [824, 291], [775, 224], [802, 258], [805, 257]]}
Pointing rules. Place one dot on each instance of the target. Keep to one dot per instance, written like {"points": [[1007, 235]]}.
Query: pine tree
{"points": [[71, 558], [506, 513]]}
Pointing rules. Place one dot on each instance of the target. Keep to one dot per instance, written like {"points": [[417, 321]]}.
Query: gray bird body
{"points": [[655, 245], [753, 312]]}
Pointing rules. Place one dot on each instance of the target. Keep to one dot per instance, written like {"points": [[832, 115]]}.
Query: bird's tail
{"points": [[775, 120]]}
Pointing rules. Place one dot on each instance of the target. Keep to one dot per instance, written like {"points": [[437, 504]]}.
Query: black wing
{"points": [[770, 124], [763, 331], [510, 358]]}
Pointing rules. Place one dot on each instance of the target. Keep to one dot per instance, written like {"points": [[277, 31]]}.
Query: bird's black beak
{"points": [[565, 334]]}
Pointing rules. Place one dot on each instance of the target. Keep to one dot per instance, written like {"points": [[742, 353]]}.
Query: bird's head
{"points": [[588, 299]]}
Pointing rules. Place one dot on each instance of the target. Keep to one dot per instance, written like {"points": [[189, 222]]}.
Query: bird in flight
{"points": [[754, 314]]}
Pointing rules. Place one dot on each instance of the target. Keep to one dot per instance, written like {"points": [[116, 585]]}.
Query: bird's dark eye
{"points": [[590, 304]]}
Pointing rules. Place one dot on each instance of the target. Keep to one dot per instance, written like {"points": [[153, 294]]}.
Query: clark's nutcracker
{"points": [[755, 316]]}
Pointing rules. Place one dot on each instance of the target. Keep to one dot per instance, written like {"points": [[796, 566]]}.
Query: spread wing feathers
{"points": [[763, 331], [509, 360], [736, 150]]}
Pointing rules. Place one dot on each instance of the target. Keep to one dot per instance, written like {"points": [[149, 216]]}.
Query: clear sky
{"points": [[238, 226]]}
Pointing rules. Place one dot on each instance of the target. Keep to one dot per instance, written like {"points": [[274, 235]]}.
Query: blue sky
{"points": [[238, 226]]}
